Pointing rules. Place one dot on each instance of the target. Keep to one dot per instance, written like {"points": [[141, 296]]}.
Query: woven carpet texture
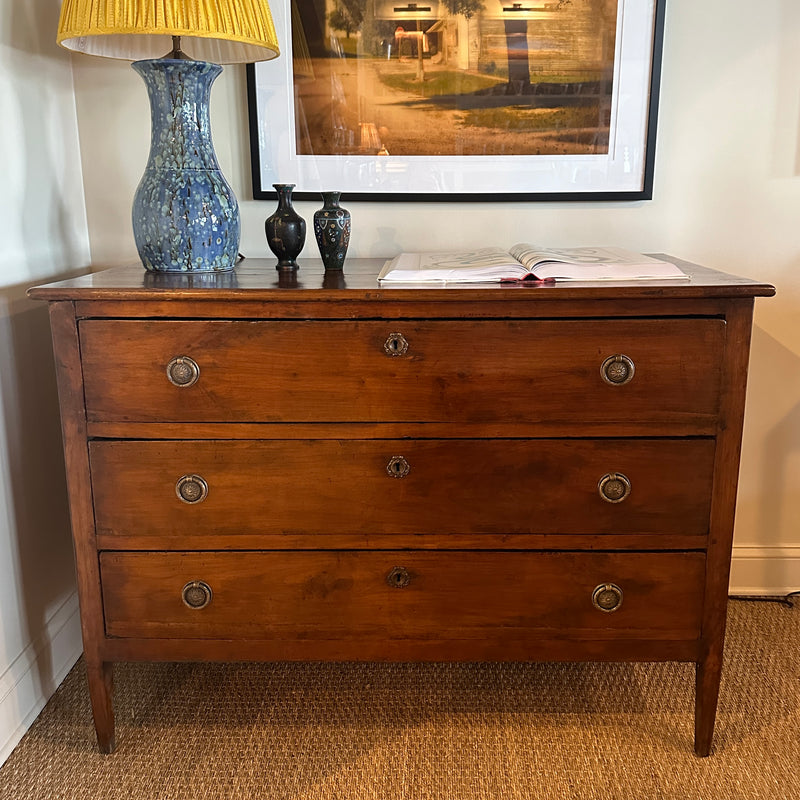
{"points": [[294, 731]]}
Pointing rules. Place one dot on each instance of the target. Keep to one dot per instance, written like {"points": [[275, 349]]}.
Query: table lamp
{"points": [[185, 215]]}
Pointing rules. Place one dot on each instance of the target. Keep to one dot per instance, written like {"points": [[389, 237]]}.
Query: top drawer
{"points": [[400, 371]]}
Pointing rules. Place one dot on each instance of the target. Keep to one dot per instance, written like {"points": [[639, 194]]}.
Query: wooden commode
{"points": [[320, 468]]}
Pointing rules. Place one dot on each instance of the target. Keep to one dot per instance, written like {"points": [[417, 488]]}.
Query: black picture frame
{"points": [[272, 99]]}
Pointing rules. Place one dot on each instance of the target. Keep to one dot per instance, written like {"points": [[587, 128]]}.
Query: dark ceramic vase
{"points": [[285, 229], [332, 231]]}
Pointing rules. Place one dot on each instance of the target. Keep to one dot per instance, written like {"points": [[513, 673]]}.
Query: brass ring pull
{"points": [[191, 489], [183, 371], [398, 467], [617, 370], [398, 577], [614, 487], [607, 597], [196, 594], [395, 345]]}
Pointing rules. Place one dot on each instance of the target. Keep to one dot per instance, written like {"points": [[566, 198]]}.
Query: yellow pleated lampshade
{"points": [[220, 31]]}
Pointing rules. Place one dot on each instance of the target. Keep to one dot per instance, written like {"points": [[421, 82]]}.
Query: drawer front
{"points": [[440, 371], [401, 595], [183, 491]]}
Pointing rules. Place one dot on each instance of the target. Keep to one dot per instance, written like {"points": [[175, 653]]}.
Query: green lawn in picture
{"points": [[439, 82], [449, 82], [525, 118]]}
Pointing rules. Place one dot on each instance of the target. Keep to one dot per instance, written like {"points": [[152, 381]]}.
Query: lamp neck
{"points": [[179, 91], [176, 52]]}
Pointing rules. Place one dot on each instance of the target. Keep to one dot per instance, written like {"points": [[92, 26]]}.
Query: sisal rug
{"points": [[417, 731]]}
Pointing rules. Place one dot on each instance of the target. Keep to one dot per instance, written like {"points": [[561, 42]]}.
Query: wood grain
{"points": [[257, 280], [346, 596], [507, 425], [503, 645], [453, 371], [723, 508], [76, 456], [316, 488]]}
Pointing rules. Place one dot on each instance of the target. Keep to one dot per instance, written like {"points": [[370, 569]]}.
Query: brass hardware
{"points": [[614, 487], [398, 577], [607, 597], [396, 345], [183, 371], [617, 370], [398, 467], [191, 489], [196, 594]]}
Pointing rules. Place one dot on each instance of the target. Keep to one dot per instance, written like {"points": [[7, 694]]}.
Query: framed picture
{"points": [[459, 100]]}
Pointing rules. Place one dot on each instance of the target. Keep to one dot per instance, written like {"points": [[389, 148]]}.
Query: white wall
{"points": [[727, 194], [44, 233]]}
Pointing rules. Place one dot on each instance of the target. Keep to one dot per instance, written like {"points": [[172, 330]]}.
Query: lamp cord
{"points": [[785, 601]]}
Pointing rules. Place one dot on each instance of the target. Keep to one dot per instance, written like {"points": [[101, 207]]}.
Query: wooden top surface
{"points": [[257, 279]]}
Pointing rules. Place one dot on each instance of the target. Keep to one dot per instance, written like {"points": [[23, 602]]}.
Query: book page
{"points": [[592, 263], [485, 264]]}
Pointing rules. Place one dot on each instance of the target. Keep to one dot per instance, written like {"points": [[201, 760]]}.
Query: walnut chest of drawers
{"points": [[265, 468]]}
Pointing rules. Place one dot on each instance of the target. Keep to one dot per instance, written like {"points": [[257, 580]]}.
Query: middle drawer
{"points": [[182, 491]]}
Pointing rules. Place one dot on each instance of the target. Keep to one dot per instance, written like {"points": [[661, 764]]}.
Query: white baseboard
{"points": [[37, 672], [765, 571]]}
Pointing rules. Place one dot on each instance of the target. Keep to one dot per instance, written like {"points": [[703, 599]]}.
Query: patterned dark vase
{"points": [[332, 230], [285, 229]]}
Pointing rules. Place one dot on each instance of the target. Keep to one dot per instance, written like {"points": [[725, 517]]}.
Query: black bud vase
{"points": [[332, 230], [285, 229]]}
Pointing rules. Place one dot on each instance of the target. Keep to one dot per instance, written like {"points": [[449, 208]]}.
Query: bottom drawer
{"points": [[378, 595]]}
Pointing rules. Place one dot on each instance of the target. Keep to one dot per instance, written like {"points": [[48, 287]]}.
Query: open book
{"points": [[526, 262]]}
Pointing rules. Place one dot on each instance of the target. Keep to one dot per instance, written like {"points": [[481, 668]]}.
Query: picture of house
{"points": [[453, 77]]}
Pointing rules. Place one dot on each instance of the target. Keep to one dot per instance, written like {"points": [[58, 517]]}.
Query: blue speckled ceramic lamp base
{"points": [[185, 215]]}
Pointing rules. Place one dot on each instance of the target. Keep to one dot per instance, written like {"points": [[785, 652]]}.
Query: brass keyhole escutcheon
{"points": [[617, 370], [395, 345], [398, 577], [607, 597], [614, 487], [398, 467], [196, 594], [191, 489], [182, 371]]}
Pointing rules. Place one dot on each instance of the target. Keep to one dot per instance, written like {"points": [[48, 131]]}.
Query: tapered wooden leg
{"points": [[101, 693], [708, 674]]}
